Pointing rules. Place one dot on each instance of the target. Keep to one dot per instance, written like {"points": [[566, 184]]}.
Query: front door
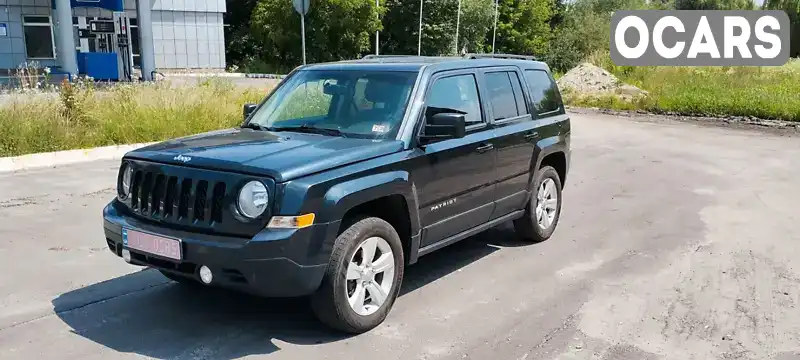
{"points": [[457, 192]]}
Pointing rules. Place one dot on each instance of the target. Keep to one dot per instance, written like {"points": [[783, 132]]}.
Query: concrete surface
{"points": [[59, 158], [677, 241]]}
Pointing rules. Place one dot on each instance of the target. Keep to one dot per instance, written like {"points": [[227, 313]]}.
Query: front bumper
{"points": [[274, 263]]}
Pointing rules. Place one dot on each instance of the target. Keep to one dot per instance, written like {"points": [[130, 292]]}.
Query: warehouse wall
{"points": [[187, 34]]}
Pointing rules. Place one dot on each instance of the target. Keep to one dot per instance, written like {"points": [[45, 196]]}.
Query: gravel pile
{"points": [[588, 79]]}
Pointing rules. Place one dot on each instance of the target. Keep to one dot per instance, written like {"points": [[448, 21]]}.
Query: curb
{"points": [[202, 75], [265, 76], [228, 75], [31, 161]]}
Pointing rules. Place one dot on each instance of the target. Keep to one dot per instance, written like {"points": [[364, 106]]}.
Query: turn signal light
{"points": [[291, 222]]}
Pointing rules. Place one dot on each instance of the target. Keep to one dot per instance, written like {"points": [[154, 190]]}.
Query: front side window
{"points": [[353, 103], [544, 93], [459, 93], [38, 37]]}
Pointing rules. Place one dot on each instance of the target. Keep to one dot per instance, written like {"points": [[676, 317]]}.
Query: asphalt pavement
{"points": [[677, 241]]}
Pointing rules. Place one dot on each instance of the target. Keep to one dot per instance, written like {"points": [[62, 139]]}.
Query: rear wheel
{"points": [[363, 277], [543, 209]]}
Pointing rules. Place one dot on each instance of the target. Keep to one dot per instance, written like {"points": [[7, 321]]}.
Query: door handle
{"points": [[531, 135], [484, 148]]}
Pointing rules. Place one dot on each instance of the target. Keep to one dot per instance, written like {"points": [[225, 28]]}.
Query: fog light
{"points": [[126, 255], [205, 275]]}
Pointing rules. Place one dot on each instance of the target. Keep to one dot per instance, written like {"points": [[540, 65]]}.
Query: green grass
{"points": [[83, 117], [763, 92]]}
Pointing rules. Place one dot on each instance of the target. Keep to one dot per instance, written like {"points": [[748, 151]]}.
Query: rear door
{"points": [[456, 190], [550, 117], [515, 132]]}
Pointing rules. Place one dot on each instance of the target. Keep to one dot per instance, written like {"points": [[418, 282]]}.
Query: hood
{"points": [[280, 155]]}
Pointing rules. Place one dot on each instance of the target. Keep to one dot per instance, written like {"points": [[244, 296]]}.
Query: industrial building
{"points": [[111, 39]]}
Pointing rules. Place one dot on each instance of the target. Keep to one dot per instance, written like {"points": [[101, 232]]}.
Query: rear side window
{"points": [[460, 93], [505, 94], [544, 93]]}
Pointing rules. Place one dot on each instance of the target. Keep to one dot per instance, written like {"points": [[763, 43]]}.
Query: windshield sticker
{"points": [[379, 128]]}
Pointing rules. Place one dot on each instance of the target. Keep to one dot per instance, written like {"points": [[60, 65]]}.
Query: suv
{"points": [[344, 175]]}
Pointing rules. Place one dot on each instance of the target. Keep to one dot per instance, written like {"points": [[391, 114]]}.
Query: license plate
{"points": [[152, 244]]}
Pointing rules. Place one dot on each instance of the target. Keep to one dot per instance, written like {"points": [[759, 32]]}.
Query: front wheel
{"points": [[543, 209], [363, 277]]}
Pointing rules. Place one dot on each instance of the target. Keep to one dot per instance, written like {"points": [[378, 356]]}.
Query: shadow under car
{"points": [[146, 314]]}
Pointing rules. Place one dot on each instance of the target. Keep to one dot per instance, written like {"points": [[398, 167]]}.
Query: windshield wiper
{"points": [[254, 126], [308, 129]]}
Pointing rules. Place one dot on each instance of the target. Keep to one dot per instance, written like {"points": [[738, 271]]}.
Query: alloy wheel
{"points": [[370, 276], [546, 203]]}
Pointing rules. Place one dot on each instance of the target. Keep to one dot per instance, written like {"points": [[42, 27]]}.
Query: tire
{"points": [[528, 227], [330, 302]]}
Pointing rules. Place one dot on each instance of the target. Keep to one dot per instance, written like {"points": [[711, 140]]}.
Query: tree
{"points": [[714, 5], [792, 8], [240, 47], [477, 18], [586, 28], [580, 34], [523, 26], [335, 30], [401, 27], [559, 11]]}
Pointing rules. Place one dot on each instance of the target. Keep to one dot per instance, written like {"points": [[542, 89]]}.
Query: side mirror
{"points": [[334, 89], [443, 126], [248, 109]]}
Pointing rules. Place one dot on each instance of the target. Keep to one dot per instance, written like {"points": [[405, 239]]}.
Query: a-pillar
{"points": [[67, 59], [146, 47]]}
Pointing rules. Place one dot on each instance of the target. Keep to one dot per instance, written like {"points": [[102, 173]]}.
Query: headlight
{"points": [[127, 178], [253, 199]]}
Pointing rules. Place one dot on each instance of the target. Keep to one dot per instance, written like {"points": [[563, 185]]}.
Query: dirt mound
{"points": [[588, 79]]}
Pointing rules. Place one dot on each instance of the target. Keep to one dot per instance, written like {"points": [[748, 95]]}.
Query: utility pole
{"points": [[303, 31], [494, 33], [458, 21], [301, 6], [377, 32], [419, 42]]}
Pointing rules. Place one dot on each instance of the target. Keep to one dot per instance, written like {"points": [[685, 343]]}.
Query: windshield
{"points": [[352, 103]]}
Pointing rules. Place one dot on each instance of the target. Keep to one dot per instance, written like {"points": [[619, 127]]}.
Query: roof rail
{"points": [[373, 56], [500, 56]]}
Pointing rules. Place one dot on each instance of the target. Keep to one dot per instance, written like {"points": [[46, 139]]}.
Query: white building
{"points": [[186, 34]]}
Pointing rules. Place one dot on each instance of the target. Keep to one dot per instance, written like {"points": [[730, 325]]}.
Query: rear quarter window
{"points": [[544, 91]]}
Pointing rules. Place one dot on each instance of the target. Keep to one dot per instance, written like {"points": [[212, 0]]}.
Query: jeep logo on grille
{"points": [[182, 158]]}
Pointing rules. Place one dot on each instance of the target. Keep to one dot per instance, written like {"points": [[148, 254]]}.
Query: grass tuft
{"points": [[762, 92], [83, 117]]}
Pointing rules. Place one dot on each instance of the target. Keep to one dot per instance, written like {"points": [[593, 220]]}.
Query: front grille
{"points": [[165, 197], [190, 199]]}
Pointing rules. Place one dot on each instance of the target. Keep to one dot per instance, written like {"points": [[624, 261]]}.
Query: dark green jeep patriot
{"points": [[344, 175]]}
